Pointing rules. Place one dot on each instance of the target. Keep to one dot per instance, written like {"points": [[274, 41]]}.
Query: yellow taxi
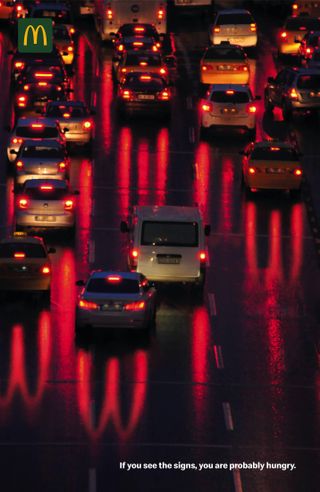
{"points": [[141, 61], [272, 165], [224, 63], [294, 30], [6, 8], [25, 264]]}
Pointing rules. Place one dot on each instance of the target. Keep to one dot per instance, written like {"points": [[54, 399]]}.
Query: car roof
{"points": [[26, 121], [56, 183], [106, 273], [167, 212], [23, 238], [273, 143], [227, 87], [44, 142]]}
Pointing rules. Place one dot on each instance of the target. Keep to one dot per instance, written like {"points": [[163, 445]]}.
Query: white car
{"points": [[236, 26], [229, 106], [32, 129]]}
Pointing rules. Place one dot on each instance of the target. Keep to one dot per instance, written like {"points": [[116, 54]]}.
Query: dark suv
{"points": [[293, 90]]}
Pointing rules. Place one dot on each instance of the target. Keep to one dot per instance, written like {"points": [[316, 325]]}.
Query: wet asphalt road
{"points": [[233, 380]]}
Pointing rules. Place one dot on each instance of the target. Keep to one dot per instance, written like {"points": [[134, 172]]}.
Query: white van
{"points": [[167, 243], [110, 15], [185, 4]]}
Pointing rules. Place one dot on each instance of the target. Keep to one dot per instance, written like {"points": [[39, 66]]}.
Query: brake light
{"points": [[19, 165], [252, 170], [160, 14], [164, 95], [309, 50], [294, 6], [206, 107], [120, 47], [19, 255], [139, 29], [274, 149], [206, 67], [123, 70], [90, 306], [23, 203], [137, 43], [244, 68], [16, 140], [46, 188], [229, 92], [251, 109], [26, 87], [135, 306], [72, 30], [302, 28], [144, 78], [62, 166], [22, 98], [154, 48], [37, 125], [70, 49], [66, 115], [253, 27], [19, 8], [19, 65], [126, 94], [203, 256], [293, 94], [143, 64], [283, 35], [87, 125], [216, 29], [113, 278], [109, 13], [134, 253], [298, 172], [68, 204], [42, 84], [43, 75], [163, 71], [45, 270]]}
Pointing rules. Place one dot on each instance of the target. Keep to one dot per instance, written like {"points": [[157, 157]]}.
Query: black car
{"points": [[21, 60], [37, 71], [35, 96]]}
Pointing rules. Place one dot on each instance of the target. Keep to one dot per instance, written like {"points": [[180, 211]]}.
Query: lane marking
{"points": [[212, 304], [92, 251], [228, 420], [92, 480], [218, 356], [237, 481], [192, 137]]}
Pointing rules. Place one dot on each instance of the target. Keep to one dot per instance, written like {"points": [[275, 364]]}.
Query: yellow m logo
{"points": [[35, 35]]}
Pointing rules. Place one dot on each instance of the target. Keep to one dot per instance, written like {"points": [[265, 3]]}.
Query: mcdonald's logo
{"points": [[35, 35]]}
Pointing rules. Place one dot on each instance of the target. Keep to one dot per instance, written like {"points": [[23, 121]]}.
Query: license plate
{"points": [[273, 170], [111, 307], [45, 218], [229, 110], [146, 97], [168, 260], [224, 67]]}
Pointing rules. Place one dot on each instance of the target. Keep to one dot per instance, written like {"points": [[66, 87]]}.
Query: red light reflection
{"points": [[226, 196], [84, 207], [162, 165], [123, 169], [202, 181], [143, 171]]}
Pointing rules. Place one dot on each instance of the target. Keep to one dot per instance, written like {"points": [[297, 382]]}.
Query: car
{"points": [[63, 41], [167, 244], [36, 71], [21, 60], [32, 129], [144, 93], [60, 13], [142, 61], [25, 264], [224, 64], [308, 44], [6, 9], [229, 106], [45, 204], [33, 97], [39, 160], [272, 165], [294, 90], [115, 299], [236, 26], [293, 31], [75, 121], [132, 30]]}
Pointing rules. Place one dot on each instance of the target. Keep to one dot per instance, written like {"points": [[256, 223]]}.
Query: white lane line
{"points": [[92, 480], [212, 304], [237, 481], [192, 136], [92, 251], [228, 420], [218, 356], [189, 103]]}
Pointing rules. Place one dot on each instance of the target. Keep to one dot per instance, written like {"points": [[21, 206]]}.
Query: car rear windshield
{"points": [[42, 152], [224, 19], [225, 52], [268, 154], [169, 234], [54, 194], [153, 85], [308, 82], [74, 112], [7, 250], [59, 16], [104, 286], [303, 23], [224, 97], [29, 132], [151, 60]]}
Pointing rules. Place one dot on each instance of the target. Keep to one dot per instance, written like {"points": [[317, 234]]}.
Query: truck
{"points": [[111, 14]]}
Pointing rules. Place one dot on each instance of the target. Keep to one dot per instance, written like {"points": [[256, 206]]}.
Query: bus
{"points": [[110, 15]]}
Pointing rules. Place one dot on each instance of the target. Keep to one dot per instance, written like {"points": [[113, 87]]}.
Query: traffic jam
{"points": [[159, 248]]}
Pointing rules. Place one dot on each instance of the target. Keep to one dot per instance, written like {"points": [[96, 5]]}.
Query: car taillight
{"points": [[68, 204], [283, 35], [309, 51], [120, 47], [154, 48], [42, 84], [297, 172], [203, 256], [87, 125], [62, 166], [123, 70], [26, 87], [109, 12], [126, 94], [19, 256], [19, 65], [72, 30], [16, 140], [206, 107], [21, 100], [134, 254], [295, 6], [19, 165], [46, 270], [216, 29], [137, 43], [37, 126], [251, 109], [252, 170], [293, 94], [162, 71], [135, 306], [161, 14], [90, 306], [43, 75], [23, 203], [206, 67], [70, 49], [253, 27], [242, 68], [164, 95]]}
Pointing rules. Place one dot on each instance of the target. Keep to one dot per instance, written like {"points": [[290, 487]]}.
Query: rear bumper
{"points": [[145, 106], [102, 319], [29, 220], [78, 138], [304, 106], [248, 122]]}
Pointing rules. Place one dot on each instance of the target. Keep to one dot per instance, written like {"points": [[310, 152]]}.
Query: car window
{"points": [[244, 18], [104, 286], [274, 154], [7, 250], [230, 97], [29, 132], [308, 82], [225, 52], [42, 194], [169, 233], [143, 83]]}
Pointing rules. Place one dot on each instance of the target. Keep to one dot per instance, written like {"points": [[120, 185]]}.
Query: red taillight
{"points": [[120, 47], [26, 87], [19, 65], [46, 188], [19, 255], [37, 126], [72, 30], [42, 84], [145, 78], [162, 71], [154, 48], [206, 67], [16, 140], [19, 165], [293, 94], [298, 172], [294, 6], [66, 115], [253, 27], [139, 29], [62, 166], [206, 107], [21, 99], [68, 204], [70, 49], [114, 278], [143, 64], [23, 203], [45, 270], [135, 306], [137, 43], [90, 306], [252, 170], [251, 109], [134, 253], [43, 75], [161, 14], [126, 94], [164, 95], [123, 70], [203, 256], [18, 8], [87, 125], [216, 29], [283, 35], [109, 13]]}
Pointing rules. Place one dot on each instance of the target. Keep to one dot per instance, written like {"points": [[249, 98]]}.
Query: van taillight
{"points": [[203, 256], [23, 203]]}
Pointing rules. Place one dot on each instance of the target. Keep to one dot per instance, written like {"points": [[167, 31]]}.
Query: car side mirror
{"points": [[51, 251], [80, 283], [76, 192], [271, 80], [257, 98], [124, 226], [207, 229], [13, 152]]}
